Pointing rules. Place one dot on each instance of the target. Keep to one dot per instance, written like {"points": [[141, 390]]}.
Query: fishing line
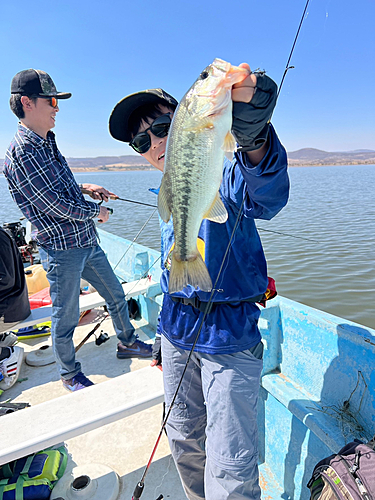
{"points": [[285, 234], [144, 275], [140, 485], [164, 475], [260, 228], [139, 232]]}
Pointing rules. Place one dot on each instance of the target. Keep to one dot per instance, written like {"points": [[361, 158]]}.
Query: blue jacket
{"points": [[232, 326]]}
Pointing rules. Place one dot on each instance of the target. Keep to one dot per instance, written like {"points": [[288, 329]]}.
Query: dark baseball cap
{"points": [[119, 119], [32, 82]]}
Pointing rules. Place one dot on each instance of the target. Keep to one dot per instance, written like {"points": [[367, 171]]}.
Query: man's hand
{"points": [[97, 192], [156, 353], [103, 214], [245, 90]]}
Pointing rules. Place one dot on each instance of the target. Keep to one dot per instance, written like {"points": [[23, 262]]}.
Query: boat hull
{"points": [[318, 383]]}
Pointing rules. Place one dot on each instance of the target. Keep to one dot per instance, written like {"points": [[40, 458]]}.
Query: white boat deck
{"points": [[92, 300], [98, 424]]}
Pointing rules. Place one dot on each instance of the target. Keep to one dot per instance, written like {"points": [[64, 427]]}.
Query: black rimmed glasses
{"points": [[141, 142]]}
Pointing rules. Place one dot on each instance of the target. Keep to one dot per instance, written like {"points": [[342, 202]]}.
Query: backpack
{"points": [[347, 475]]}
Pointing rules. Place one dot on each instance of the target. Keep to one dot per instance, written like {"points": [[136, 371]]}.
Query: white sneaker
{"points": [[10, 367], [8, 339]]}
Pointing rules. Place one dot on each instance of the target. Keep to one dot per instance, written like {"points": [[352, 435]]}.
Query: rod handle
{"points": [[138, 491]]}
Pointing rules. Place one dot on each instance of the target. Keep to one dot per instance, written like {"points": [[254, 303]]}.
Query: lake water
{"points": [[333, 206]]}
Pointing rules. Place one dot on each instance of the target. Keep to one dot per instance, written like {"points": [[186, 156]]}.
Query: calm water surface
{"points": [[333, 206]]}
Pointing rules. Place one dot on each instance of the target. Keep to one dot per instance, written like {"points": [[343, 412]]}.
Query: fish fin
{"points": [[217, 212], [163, 206], [189, 272], [229, 143]]}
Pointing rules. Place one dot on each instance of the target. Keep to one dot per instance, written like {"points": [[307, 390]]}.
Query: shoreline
{"points": [[151, 168], [132, 168]]}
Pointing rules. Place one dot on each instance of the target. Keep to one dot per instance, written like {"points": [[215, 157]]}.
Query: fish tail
{"points": [[189, 272]]}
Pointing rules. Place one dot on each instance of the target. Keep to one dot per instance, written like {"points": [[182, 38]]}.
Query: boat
{"points": [[317, 394]]}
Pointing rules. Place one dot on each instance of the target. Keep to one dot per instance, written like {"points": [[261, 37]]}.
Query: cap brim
{"points": [[58, 95], [119, 118]]}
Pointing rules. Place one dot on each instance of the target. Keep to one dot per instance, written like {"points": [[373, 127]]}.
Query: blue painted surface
{"points": [[131, 262], [318, 392], [318, 384]]}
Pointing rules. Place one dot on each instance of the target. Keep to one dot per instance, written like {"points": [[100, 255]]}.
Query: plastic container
{"points": [[36, 278], [40, 299]]}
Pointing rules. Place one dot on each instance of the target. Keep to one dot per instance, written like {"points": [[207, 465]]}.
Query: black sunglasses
{"points": [[141, 142]]}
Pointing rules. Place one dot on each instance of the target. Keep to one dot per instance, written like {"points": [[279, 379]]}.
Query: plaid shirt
{"points": [[44, 188]]}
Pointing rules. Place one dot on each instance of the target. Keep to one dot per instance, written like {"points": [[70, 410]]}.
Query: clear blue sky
{"points": [[101, 51]]}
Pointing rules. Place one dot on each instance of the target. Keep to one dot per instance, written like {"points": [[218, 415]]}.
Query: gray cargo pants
{"points": [[212, 428]]}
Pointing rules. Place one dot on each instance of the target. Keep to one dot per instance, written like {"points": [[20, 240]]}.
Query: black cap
{"points": [[119, 119], [35, 82]]}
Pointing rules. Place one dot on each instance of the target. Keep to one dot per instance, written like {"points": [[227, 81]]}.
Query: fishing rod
{"points": [[103, 337], [287, 67], [100, 340], [140, 485], [115, 197], [155, 206], [132, 201]]}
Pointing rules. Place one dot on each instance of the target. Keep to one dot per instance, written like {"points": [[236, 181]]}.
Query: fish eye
{"points": [[204, 75]]}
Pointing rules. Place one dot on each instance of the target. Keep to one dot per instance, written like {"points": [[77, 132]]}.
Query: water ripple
{"points": [[331, 205]]}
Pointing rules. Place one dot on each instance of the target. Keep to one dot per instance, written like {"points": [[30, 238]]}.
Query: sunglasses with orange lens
{"points": [[53, 102]]}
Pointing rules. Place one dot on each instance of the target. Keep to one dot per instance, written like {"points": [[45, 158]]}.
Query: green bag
{"points": [[34, 476]]}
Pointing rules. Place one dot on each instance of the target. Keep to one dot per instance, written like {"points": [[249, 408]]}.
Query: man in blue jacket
{"points": [[212, 428]]}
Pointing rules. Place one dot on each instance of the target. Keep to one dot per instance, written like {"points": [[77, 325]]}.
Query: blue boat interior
{"points": [[318, 383]]}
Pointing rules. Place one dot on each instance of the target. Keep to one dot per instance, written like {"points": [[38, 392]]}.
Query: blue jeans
{"points": [[212, 428], [64, 271]]}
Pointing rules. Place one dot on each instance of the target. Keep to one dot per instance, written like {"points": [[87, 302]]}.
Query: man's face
{"points": [[40, 114], [155, 155]]}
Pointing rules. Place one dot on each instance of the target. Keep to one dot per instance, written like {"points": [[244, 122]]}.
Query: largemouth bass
{"points": [[199, 136]]}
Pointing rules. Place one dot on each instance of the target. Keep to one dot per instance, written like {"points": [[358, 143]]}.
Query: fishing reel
{"points": [[103, 337], [18, 234], [110, 210]]}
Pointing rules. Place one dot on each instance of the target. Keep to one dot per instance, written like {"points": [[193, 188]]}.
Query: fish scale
{"points": [[197, 141]]}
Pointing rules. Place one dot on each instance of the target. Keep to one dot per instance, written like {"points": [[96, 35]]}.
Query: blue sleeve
{"points": [[265, 187]]}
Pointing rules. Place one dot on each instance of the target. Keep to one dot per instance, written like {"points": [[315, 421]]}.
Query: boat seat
{"points": [[52, 422], [90, 301]]}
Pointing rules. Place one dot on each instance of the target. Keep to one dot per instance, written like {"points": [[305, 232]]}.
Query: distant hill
{"points": [[105, 163], [317, 157], [128, 162], [302, 157]]}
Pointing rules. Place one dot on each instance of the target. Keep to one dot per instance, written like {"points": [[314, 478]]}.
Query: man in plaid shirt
{"points": [[43, 186]]}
